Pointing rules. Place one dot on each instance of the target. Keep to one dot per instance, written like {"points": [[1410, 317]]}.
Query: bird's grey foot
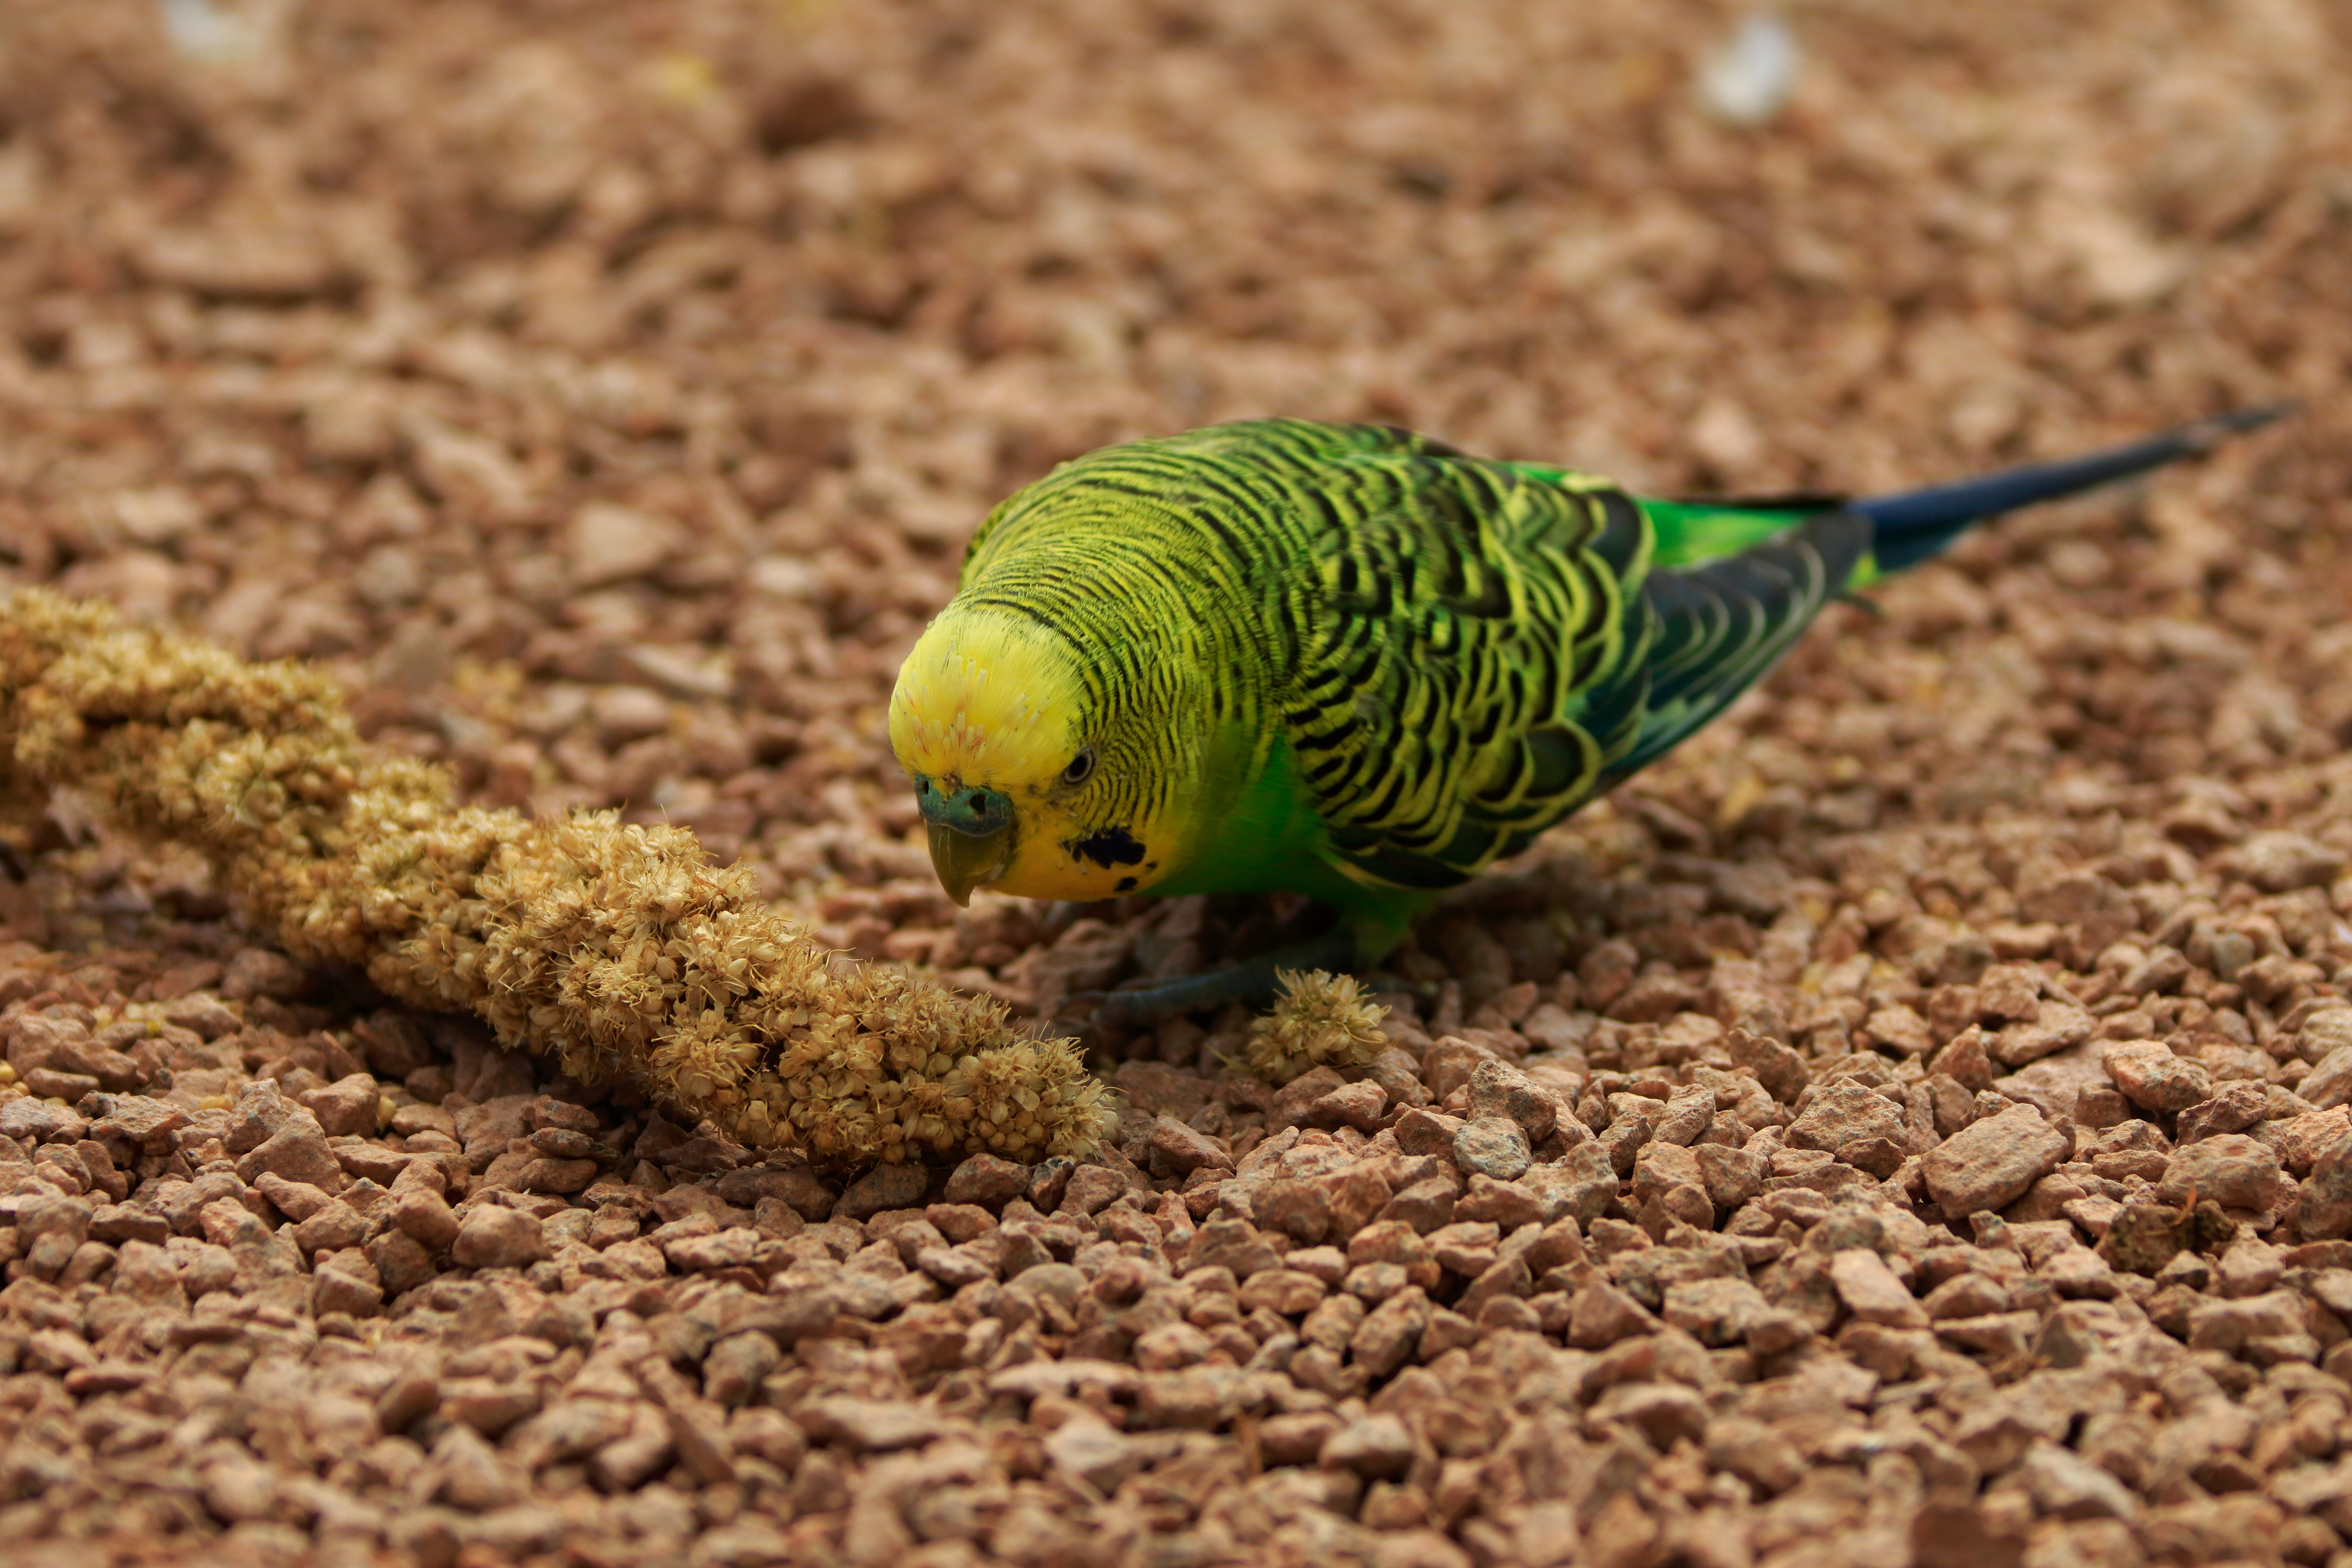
{"points": [[1251, 982]]}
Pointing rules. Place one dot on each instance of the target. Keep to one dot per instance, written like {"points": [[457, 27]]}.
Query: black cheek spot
{"points": [[1109, 848], [1125, 885]]}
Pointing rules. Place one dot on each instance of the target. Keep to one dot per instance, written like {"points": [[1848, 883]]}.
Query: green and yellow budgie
{"points": [[1351, 662]]}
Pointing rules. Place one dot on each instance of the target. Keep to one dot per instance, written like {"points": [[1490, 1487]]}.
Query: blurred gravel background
{"points": [[608, 392]]}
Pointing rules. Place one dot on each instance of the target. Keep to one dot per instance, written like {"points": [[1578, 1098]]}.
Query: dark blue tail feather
{"points": [[1911, 527]]}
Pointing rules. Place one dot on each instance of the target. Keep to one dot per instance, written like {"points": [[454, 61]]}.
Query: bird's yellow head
{"points": [[1024, 786]]}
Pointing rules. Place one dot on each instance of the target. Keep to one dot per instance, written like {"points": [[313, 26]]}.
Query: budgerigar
{"points": [[1351, 662]]}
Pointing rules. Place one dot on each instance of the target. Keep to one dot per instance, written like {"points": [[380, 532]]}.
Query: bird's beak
{"points": [[965, 861], [971, 832]]}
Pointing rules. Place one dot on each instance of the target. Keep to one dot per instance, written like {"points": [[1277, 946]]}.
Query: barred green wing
{"points": [[1497, 645], [1461, 609]]}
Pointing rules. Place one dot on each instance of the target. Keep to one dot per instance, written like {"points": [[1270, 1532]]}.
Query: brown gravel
{"points": [[1912, 1125]]}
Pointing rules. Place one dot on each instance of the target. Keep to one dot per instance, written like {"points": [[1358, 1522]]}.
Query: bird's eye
{"points": [[1081, 768]]}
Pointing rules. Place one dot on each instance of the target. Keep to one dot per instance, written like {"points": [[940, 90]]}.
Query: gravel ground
{"points": [[1912, 1125]]}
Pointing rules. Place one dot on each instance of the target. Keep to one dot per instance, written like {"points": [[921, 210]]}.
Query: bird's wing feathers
{"points": [[1457, 610], [1490, 646], [1723, 625]]}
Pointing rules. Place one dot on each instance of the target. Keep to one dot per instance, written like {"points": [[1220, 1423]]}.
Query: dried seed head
{"points": [[1320, 1020], [616, 948]]}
